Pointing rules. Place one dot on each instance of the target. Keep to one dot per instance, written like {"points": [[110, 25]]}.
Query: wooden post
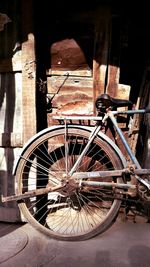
{"points": [[100, 52], [28, 88], [138, 119], [146, 153], [28, 72], [17, 101], [144, 121]]}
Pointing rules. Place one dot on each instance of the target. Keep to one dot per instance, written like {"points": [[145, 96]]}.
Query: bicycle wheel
{"points": [[72, 213]]}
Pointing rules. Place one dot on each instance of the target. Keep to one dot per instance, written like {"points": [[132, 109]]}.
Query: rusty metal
{"points": [[70, 117], [107, 184], [103, 174], [75, 182], [31, 193]]}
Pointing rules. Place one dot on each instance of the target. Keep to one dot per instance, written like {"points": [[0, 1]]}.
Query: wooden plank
{"points": [[123, 91], [77, 107], [100, 52], [5, 65], [141, 123], [17, 102], [8, 211], [11, 64], [10, 108], [28, 88], [11, 103], [62, 84], [146, 152], [11, 140], [9, 214], [113, 80], [73, 96], [28, 71], [78, 73], [17, 61], [70, 95], [114, 56]]}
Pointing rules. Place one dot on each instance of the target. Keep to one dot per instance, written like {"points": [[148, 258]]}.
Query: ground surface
{"points": [[124, 244]]}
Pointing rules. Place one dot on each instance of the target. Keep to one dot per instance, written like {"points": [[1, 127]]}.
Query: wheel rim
{"points": [[76, 213]]}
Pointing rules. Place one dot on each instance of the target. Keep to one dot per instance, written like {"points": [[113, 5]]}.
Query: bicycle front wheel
{"points": [[73, 213]]}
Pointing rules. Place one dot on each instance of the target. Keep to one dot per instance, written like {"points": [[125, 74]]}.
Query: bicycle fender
{"points": [[30, 141], [53, 128]]}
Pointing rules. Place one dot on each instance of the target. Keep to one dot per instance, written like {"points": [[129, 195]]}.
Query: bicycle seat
{"points": [[105, 101]]}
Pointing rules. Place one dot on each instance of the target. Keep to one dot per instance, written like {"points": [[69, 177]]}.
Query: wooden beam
{"points": [[11, 140], [100, 52], [28, 72], [11, 64]]}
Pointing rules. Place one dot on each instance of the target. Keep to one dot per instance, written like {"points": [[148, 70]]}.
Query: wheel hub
{"points": [[70, 187]]}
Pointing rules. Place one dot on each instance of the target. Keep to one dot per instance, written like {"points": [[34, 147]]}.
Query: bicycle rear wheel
{"points": [[73, 213]]}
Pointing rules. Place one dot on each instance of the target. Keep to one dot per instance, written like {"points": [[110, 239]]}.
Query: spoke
{"points": [[37, 165], [65, 209], [89, 209], [85, 216], [66, 148]]}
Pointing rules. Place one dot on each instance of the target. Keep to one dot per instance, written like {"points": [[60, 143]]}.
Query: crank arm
{"points": [[31, 193]]}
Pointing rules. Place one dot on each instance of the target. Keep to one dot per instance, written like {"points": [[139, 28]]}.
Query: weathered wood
{"points": [[8, 214], [70, 85], [17, 99], [28, 72], [146, 152], [71, 91], [10, 108], [100, 54], [10, 103], [113, 80], [137, 118], [11, 64], [70, 95], [114, 56], [61, 84], [28, 88], [144, 121], [123, 91], [6, 65], [11, 140], [77, 73]]}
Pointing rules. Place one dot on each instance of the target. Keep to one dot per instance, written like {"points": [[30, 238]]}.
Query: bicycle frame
{"points": [[134, 169], [110, 114]]}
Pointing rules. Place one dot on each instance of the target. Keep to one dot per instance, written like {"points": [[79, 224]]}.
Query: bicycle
{"points": [[72, 179]]}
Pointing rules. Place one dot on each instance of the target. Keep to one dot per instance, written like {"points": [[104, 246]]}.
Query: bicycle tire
{"points": [[78, 215]]}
